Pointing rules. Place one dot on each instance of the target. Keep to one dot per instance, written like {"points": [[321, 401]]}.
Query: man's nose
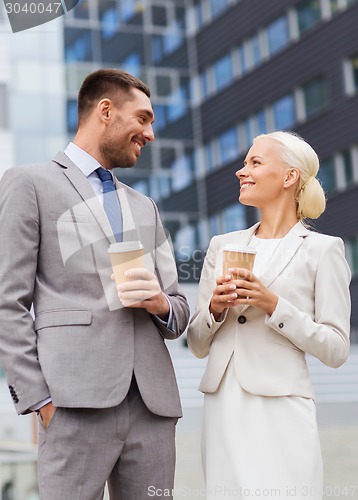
{"points": [[149, 133]]}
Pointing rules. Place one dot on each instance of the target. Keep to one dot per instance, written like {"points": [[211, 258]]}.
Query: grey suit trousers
{"points": [[127, 445]]}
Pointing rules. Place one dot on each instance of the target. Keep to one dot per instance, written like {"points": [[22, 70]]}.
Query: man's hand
{"points": [[143, 292], [47, 413]]}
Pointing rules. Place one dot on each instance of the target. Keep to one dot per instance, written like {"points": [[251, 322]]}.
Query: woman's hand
{"points": [[250, 291], [223, 296]]}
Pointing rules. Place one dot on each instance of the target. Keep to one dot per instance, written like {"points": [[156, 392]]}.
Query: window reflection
{"points": [[223, 72], [315, 95], [228, 146], [278, 35], [284, 112], [309, 14]]}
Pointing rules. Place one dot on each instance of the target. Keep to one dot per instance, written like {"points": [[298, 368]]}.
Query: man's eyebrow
{"points": [[148, 113]]}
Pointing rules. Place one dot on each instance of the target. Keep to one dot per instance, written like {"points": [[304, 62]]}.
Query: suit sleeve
{"points": [[203, 326], [326, 336], [167, 275], [19, 240]]}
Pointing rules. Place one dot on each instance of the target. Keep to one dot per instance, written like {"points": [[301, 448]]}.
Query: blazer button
{"points": [[280, 325], [241, 319]]}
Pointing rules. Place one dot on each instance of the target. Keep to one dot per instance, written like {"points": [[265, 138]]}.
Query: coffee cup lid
{"points": [[125, 246], [231, 247]]}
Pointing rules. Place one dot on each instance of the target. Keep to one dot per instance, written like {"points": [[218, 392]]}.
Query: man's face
{"points": [[128, 130]]}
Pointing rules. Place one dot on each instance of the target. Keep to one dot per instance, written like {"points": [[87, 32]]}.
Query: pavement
{"points": [[338, 427]]}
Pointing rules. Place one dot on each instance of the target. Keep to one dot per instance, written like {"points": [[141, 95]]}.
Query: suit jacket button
{"points": [[280, 325], [16, 399], [241, 319]]}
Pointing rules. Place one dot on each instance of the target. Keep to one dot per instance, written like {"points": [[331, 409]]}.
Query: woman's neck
{"points": [[275, 225]]}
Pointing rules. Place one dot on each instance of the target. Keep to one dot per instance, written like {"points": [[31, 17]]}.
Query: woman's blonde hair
{"points": [[296, 152]]}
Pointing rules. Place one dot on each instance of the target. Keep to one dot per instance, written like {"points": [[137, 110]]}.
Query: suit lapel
{"points": [[84, 189]]}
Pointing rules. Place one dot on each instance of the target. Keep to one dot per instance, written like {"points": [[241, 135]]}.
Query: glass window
{"points": [[334, 4], [157, 48], [182, 170], [284, 112], [278, 35], [160, 116], [127, 9], [209, 156], [243, 59], [72, 116], [163, 85], [261, 126], [223, 72], [159, 16], [327, 175], [315, 95], [214, 225], [248, 132], [256, 50], [164, 185], [309, 14], [141, 187], [228, 146], [199, 14], [110, 21], [204, 84], [233, 218], [348, 166], [78, 45], [218, 6], [185, 241], [132, 64], [354, 63], [82, 10]]}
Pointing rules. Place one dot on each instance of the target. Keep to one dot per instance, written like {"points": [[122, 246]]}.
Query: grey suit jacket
{"points": [[310, 275], [82, 347]]}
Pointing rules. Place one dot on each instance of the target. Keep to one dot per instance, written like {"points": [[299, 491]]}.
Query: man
{"points": [[93, 362]]}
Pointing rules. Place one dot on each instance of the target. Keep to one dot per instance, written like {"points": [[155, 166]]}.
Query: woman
{"points": [[260, 435]]}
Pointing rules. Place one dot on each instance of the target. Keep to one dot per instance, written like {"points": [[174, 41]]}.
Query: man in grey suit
{"points": [[93, 361]]}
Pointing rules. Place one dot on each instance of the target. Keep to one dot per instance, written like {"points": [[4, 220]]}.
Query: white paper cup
{"points": [[238, 256], [124, 256]]}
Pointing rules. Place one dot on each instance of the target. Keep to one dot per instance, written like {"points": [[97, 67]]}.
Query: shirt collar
{"points": [[84, 161]]}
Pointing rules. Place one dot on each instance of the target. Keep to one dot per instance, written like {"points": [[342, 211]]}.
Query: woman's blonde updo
{"points": [[295, 152]]}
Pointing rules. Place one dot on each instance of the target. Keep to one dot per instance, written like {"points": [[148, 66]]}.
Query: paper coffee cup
{"points": [[124, 256], [238, 256]]}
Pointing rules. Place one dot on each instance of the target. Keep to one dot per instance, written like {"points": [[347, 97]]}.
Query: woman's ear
{"points": [[292, 177]]}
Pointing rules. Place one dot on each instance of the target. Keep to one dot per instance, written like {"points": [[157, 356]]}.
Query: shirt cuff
{"points": [[169, 322], [39, 405]]}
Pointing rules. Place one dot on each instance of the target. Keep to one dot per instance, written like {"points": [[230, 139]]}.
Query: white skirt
{"points": [[256, 447]]}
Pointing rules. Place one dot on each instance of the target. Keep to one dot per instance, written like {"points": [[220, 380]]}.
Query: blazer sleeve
{"points": [[326, 336], [167, 275], [203, 326], [19, 241]]}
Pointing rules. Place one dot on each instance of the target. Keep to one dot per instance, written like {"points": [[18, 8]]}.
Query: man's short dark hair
{"points": [[106, 83]]}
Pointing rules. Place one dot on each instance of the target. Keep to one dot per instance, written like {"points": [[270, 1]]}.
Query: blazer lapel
{"points": [[284, 253], [84, 189]]}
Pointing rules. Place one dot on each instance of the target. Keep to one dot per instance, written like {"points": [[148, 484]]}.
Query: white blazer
{"points": [[309, 273]]}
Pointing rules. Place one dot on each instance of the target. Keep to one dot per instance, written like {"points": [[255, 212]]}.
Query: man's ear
{"points": [[104, 109], [292, 177]]}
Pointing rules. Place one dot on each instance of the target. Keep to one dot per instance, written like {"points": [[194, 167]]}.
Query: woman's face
{"points": [[262, 178]]}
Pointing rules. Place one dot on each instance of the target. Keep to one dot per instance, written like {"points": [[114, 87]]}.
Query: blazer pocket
{"points": [[62, 317], [66, 217], [277, 338]]}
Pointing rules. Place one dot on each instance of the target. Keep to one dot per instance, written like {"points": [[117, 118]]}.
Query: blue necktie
{"points": [[111, 203]]}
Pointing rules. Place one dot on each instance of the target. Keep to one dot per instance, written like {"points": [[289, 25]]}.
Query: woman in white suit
{"points": [[260, 435]]}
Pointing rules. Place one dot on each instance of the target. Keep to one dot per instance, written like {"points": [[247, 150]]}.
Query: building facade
{"points": [[221, 72]]}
